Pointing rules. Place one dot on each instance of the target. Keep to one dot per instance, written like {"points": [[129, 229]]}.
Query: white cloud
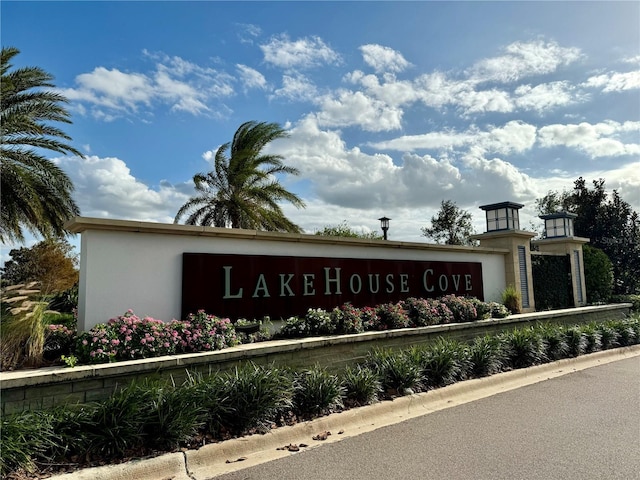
{"points": [[303, 53], [383, 59], [178, 83], [596, 140], [545, 96], [513, 137], [251, 78], [615, 82], [523, 59], [105, 188], [247, 32], [348, 108], [296, 87]]}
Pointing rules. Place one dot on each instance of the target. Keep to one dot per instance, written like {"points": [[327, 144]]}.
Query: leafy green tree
{"points": [[610, 224], [344, 230], [451, 226], [51, 262], [243, 190], [35, 193], [598, 274]]}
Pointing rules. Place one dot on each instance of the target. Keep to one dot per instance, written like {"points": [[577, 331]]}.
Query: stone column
{"points": [[517, 263]]}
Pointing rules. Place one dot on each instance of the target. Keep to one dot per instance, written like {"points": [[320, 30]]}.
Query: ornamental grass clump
{"points": [[576, 341], [27, 438], [361, 386], [442, 363], [486, 356], [398, 372], [523, 347], [592, 337], [555, 341], [608, 336], [255, 395], [316, 392]]}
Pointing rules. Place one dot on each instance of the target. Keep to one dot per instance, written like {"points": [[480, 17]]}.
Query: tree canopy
{"points": [[344, 230], [451, 225], [608, 221], [243, 191], [51, 262], [35, 192]]}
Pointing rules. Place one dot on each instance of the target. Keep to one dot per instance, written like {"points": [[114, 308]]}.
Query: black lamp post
{"points": [[384, 223]]}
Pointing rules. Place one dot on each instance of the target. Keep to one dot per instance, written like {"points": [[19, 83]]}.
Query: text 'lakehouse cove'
{"points": [[252, 286]]}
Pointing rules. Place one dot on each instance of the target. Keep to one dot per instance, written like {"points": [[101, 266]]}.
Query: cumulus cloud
{"points": [[182, 85], [545, 96], [298, 54], [383, 59], [348, 108], [105, 188], [296, 87], [615, 82], [513, 137], [523, 59], [251, 78], [604, 139]]}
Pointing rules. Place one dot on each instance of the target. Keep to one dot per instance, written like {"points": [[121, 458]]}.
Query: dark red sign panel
{"points": [[252, 286]]}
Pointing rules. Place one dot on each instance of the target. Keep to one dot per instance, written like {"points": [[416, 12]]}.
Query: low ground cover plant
{"points": [[154, 416]]}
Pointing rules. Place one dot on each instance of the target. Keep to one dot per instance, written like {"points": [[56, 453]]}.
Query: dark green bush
{"points": [[398, 373], [555, 341], [361, 385], [443, 362], [523, 348], [255, 395], [598, 274], [316, 392], [486, 356], [26, 437], [576, 341]]}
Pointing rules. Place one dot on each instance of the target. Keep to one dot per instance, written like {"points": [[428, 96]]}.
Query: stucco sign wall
{"points": [[166, 271]]}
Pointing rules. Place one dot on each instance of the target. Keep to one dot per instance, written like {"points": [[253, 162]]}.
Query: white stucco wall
{"points": [[136, 265]]}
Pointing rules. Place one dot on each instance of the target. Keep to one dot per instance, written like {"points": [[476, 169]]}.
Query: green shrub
{"points": [[361, 385], [576, 341], [320, 322], [316, 392], [523, 348], [634, 300], [555, 341], [443, 362], [626, 332], [392, 315], [347, 319], [486, 356], [26, 438], [255, 395], [598, 274], [398, 373], [608, 336], [511, 299], [463, 308]]}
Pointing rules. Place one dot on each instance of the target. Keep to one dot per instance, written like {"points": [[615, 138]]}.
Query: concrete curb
{"points": [[211, 460]]}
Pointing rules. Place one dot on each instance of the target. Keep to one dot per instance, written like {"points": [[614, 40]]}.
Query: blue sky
{"points": [[391, 106]]}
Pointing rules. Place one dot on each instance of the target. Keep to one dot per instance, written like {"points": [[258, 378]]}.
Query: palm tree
{"points": [[243, 191], [35, 192]]}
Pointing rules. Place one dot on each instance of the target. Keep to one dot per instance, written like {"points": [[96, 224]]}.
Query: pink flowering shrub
{"points": [[392, 315], [463, 308], [370, 318], [348, 319], [129, 337], [423, 312]]}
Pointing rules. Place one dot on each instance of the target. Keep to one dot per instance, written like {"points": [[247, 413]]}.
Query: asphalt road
{"points": [[583, 426]]}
